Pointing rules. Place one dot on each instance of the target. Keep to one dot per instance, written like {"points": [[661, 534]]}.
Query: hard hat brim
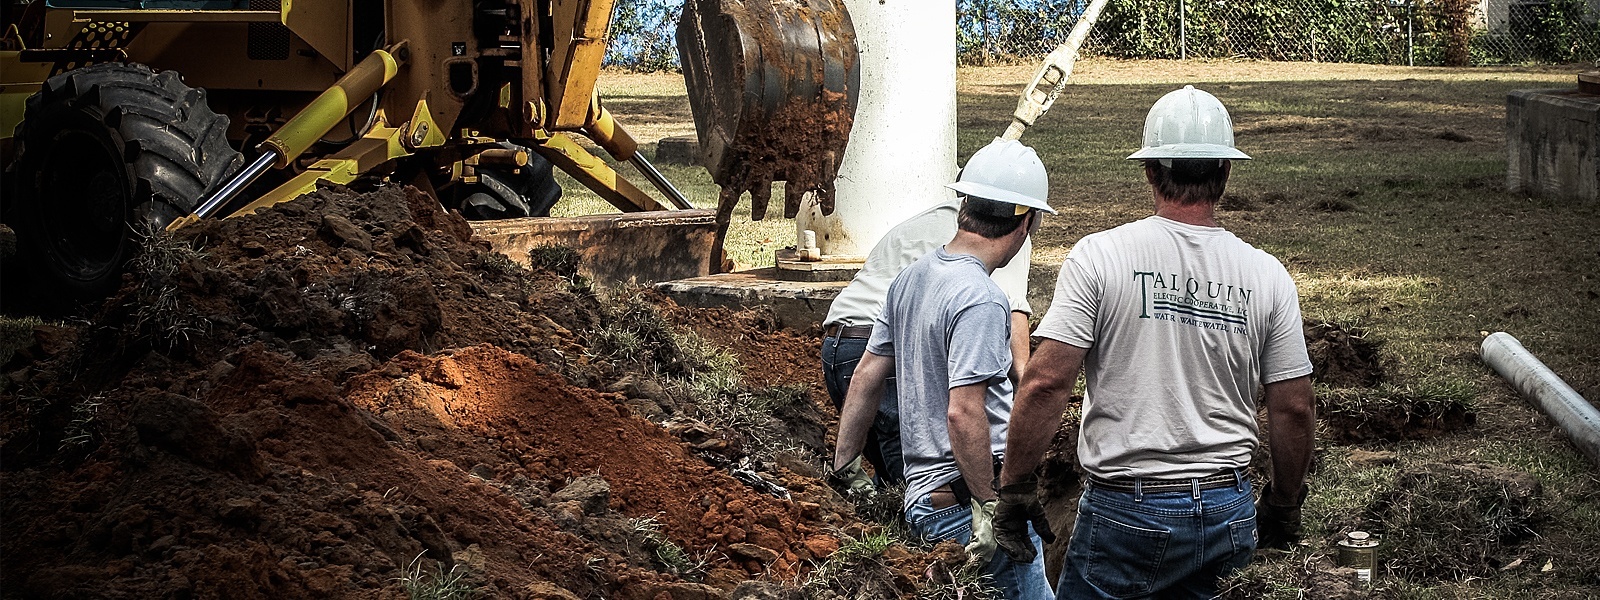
{"points": [[989, 192], [1189, 151]]}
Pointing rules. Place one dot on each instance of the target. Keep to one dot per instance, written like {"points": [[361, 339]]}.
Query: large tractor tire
{"points": [[107, 154]]}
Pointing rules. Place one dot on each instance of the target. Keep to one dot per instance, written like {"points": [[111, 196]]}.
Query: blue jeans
{"points": [[839, 359], [1017, 580], [1157, 545]]}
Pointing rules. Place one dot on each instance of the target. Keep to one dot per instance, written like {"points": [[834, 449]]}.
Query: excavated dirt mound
{"points": [[1360, 405], [1390, 414], [325, 398], [501, 415], [1341, 356], [1450, 521]]}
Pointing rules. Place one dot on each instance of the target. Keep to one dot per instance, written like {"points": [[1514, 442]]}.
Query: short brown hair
{"points": [[1188, 180], [989, 218]]}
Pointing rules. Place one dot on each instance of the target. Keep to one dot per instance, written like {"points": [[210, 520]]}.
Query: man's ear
{"points": [[1150, 172]]}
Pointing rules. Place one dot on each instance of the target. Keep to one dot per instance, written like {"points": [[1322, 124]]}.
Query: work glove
{"points": [[980, 550], [1019, 507], [851, 481], [1278, 526]]}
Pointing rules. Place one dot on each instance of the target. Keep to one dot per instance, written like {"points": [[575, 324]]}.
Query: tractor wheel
{"points": [[502, 194], [108, 153]]}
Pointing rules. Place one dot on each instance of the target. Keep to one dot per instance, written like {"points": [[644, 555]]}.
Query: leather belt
{"points": [[957, 492], [1131, 485], [860, 332]]}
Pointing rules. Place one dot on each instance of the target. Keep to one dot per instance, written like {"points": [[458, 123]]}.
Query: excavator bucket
{"points": [[773, 86]]}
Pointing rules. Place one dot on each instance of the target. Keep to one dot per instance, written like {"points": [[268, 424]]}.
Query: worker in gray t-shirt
{"points": [[944, 335], [850, 319]]}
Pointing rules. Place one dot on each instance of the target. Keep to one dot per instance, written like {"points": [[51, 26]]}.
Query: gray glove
{"points": [[851, 481], [981, 549], [1278, 526], [1019, 507]]}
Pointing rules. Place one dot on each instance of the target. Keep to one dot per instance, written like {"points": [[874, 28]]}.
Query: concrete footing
{"points": [[795, 304], [679, 150], [617, 249], [1553, 144]]}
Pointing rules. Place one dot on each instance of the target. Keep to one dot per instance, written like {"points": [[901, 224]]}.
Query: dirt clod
{"points": [[1342, 356]]}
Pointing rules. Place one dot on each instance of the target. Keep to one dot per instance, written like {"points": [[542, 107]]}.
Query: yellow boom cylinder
{"points": [[324, 113]]}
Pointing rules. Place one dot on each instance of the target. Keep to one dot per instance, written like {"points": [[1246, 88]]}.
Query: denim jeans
{"points": [[839, 359], [1018, 581], [1158, 545]]}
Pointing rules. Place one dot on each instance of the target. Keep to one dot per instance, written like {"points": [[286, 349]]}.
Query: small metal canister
{"points": [[1359, 550]]}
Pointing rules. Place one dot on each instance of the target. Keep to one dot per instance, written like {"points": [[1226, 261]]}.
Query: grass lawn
{"points": [[1382, 190]]}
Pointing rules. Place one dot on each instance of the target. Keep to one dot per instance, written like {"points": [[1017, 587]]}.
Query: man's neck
{"points": [[990, 252], [1203, 213]]}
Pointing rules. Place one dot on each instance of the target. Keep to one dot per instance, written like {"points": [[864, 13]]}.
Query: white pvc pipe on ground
{"points": [[1546, 390], [902, 148]]}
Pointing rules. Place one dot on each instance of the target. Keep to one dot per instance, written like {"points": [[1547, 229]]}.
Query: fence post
{"points": [[1411, 43], [1183, 40]]}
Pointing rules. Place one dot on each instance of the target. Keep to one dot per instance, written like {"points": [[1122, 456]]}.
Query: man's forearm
{"points": [[1292, 423], [1019, 346], [860, 406], [1036, 412], [969, 439]]}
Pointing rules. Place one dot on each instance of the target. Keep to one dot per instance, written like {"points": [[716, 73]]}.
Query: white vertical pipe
{"points": [[1183, 23], [1546, 390], [902, 148]]}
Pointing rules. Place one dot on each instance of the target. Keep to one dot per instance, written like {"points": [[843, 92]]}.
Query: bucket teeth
{"points": [[773, 89]]}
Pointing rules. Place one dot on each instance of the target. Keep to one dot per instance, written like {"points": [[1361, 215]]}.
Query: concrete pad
{"points": [[1553, 144], [796, 304]]}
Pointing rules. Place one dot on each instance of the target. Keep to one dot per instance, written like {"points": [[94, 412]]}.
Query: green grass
{"points": [[16, 333], [856, 557], [669, 554], [421, 583]]}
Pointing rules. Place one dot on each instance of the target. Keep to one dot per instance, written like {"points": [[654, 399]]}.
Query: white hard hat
{"points": [[1188, 123], [1006, 171]]}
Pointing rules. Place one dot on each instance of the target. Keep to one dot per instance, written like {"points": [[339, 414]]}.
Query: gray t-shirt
{"points": [[1183, 324], [860, 302], [947, 324]]}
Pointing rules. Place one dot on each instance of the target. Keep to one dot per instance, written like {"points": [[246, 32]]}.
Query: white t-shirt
{"points": [[1183, 324], [861, 301]]}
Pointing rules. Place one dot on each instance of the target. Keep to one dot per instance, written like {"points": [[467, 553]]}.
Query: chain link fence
{"points": [[1420, 32], [1433, 32]]}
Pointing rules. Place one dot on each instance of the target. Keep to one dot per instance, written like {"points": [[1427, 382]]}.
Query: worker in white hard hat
{"points": [[944, 335], [1176, 323], [856, 308]]}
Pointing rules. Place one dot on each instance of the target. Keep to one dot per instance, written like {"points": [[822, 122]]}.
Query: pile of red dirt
{"points": [[344, 389]]}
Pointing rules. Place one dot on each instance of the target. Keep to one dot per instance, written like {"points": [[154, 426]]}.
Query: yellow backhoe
{"points": [[125, 117]]}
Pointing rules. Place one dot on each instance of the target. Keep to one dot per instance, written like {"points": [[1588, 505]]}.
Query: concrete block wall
{"points": [[1553, 144]]}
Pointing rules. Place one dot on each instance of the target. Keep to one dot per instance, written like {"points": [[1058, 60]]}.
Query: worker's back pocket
{"points": [[1122, 560]]}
